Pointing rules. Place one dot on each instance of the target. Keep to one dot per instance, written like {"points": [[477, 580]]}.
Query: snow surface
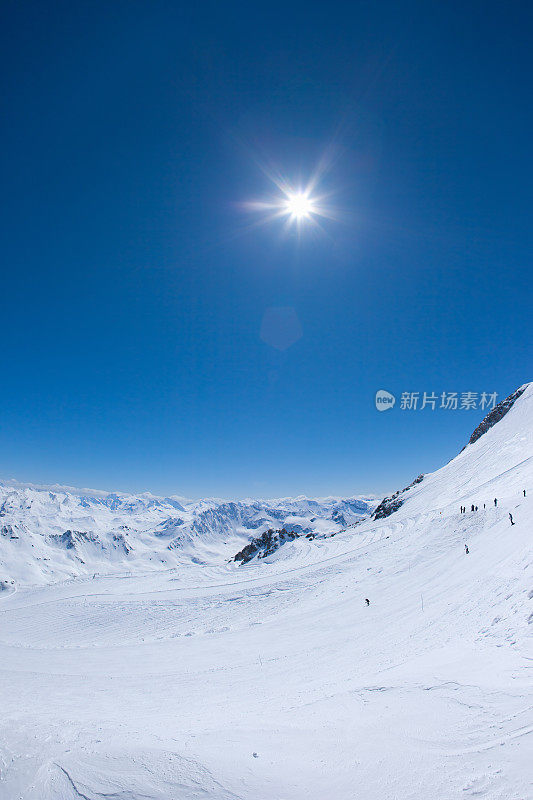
{"points": [[48, 534], [274, 680]]}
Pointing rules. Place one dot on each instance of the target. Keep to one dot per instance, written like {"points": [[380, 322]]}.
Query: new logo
{"points": [[384, 400]]}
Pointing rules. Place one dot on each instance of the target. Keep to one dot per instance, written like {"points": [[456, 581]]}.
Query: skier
{"points": [[466, 549], [475, 508], [367, 601], [472, 507], [495, 502], [483, 505], [511, 518], [524, 492]]}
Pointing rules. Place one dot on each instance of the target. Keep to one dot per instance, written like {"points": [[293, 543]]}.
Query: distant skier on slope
{"points": [[367, 601], [466, 549], [495, 502], [524, 492], [511, 518]]}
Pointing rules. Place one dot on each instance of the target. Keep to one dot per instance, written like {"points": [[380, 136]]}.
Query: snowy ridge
{"points": [[497, 414], [48, 535], [278, 682]]}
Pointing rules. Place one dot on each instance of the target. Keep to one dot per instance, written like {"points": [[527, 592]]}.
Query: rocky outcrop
{"points": [[388, 506], [391, 504], [70, 539], [169, 527], [497, 413], [265, 545], [11, 531], [121, 543]]}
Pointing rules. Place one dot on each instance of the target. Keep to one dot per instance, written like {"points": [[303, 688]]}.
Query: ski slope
{"points": [[274, 680]]}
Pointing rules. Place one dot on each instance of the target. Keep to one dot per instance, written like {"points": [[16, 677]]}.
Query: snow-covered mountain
{"points": [[51, 534], [383, 662]]}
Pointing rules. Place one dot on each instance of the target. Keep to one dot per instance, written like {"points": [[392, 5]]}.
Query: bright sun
{"points": [[299, 205]]}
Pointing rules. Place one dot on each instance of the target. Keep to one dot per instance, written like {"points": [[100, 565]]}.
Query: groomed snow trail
{"points": [[275, 681]]}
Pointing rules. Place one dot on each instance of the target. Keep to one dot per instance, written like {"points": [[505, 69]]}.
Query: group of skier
{"points": [[474, 508], [463, 511]]}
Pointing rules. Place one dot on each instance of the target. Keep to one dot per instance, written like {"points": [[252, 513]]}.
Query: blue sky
{"points": [[135, 283]]}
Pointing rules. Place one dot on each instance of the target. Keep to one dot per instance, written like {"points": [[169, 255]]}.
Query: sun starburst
{"points": [[300, 206], [297, 206]]}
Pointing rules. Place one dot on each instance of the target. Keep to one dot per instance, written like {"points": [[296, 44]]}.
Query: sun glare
{"points": [[299, 205]]}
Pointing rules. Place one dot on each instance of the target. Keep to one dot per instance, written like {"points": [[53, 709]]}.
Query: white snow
{"points": [[274, 680], [51, 534]]}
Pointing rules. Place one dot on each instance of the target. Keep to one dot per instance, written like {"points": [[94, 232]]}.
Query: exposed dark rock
{"points": [[391, 504], [497, 413], [10, 531], [122, 543], [175, 543], [265, 545], [169, 527], [388, 506], [339, 518], [69, 539]]}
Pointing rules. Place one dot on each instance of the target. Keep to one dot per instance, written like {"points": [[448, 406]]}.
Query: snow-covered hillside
{"points": [[276, 680], [48, 535]]}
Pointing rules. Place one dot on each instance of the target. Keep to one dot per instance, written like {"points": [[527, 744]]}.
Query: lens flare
{"points": [[300, 206]]}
